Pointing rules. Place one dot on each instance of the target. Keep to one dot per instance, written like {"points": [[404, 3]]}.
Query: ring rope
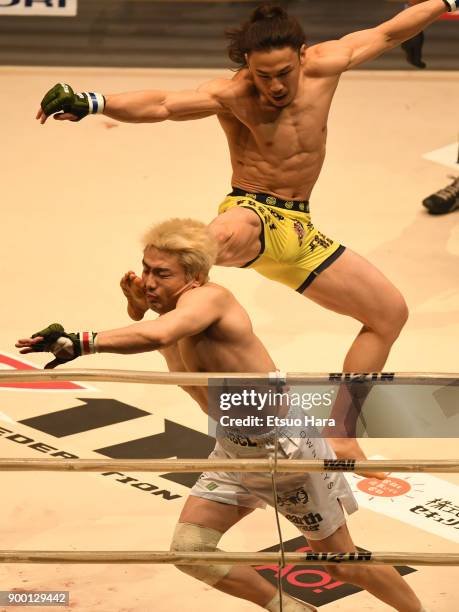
{"points": [[235, 558], [201, 379], [442, 466]]}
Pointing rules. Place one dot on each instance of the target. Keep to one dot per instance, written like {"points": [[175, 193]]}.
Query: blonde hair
{"points": [[188, 239]]}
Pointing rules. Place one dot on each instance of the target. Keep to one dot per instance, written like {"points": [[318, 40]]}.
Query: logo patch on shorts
{"points": [[289, 205], [300, 231], [293, 498], [212, 486], [236, 438], [277, 215], [306, 522], [271, 201]]}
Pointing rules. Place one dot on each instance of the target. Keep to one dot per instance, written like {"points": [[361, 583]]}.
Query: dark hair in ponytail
{"points": [[269, 27]]}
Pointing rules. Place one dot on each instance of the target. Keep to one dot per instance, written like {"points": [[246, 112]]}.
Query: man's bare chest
{"points": [[302, 130], [187, 354]]}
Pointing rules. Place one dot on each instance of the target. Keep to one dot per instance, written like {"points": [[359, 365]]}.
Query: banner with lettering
{"points": [[33, 8]]}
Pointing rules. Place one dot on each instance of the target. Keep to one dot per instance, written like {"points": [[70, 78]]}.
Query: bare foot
{"points": [[349, 448], [134, 290]]}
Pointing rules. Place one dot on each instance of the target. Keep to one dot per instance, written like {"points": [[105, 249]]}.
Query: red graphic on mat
{"points": [[309, 578], [390, 487], [312, 583], [12, 363]]}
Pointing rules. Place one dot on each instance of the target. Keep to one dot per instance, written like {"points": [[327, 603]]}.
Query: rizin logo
{"points": [[361, 377], [312, 583]]}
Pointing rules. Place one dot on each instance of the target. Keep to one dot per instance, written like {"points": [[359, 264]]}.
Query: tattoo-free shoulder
{"points": [[208, 293], [230, 90], [327, 59]]}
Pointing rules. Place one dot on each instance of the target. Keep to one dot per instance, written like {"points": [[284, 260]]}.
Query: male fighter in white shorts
{"points": [[202, 327]]}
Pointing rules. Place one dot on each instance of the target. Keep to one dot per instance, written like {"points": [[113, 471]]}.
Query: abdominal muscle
{"points": [[291, 179], [280, 151]]}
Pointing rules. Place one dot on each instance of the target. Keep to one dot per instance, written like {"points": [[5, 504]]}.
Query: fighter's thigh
{"points": [[339, 541], [237, 231], [353, 286], [212, 514]]}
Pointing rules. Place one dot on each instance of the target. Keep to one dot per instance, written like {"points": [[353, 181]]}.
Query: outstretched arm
{"points": [[368, 44], [196, 310], [137, 106], [154, 106], [354, 49]]}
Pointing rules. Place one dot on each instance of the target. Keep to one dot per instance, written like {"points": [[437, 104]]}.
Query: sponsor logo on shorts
{"points": [[277, 215], [320, 240], [293, 498], [212, 486], [289, 205], [306, 522], [240, 440], [300, 231], [271, 201]]}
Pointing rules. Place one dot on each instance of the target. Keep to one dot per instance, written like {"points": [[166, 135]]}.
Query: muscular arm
{"points": [[337, 56], [195, 312], [153, 106]]}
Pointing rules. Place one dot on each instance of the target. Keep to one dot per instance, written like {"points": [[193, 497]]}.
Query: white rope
{"points": [[442, 466], [201, 379], [235, 558]]}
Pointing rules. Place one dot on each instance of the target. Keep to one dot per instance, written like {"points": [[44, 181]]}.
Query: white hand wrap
{"points": [[66, 348], [87, 342], [451, 5], [63, 348], [96, 101]]}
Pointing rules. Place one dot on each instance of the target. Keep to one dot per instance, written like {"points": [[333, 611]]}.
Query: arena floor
{"points": [[76, 198]]}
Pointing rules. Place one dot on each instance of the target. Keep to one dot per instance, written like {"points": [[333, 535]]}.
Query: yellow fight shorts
{"points": [[293, 252]]}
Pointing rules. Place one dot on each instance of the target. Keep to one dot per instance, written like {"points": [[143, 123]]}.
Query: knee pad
{"points": [[193, 538]]}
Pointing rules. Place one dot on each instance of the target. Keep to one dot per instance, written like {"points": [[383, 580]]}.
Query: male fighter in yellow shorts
{"points": [[274, 113]]}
